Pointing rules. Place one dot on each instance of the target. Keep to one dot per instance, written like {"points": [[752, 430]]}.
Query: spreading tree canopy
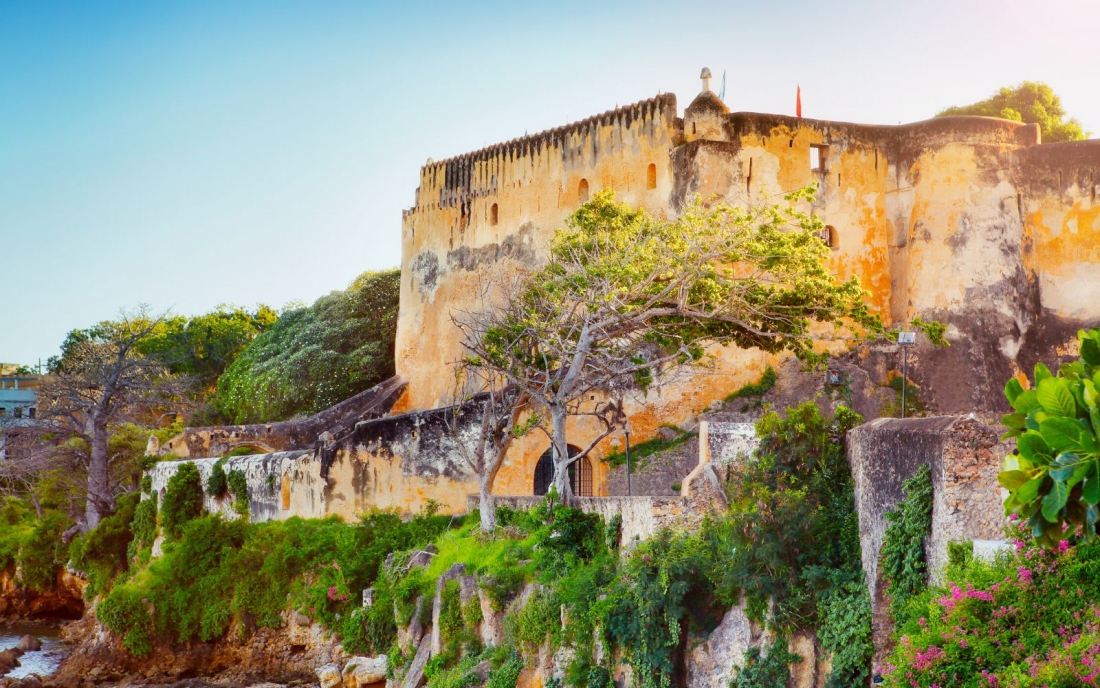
{"points": [[626, 296]]}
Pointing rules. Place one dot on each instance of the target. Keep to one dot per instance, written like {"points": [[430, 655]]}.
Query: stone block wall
{"points": [[964, 455]]}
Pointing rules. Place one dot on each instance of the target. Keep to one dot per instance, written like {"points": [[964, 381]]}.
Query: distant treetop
{"points": [[1032, 102]]}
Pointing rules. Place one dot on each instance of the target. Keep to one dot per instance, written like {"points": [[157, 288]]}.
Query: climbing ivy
{"points": [[904, 564], [768, 670]]}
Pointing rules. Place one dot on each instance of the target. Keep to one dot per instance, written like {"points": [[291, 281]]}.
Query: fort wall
{"points": [[485, 214]]}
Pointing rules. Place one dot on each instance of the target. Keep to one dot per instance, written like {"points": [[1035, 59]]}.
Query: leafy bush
{"points": [[143, 526], [217, 483], [103, 553], [218, 571], [182, 500], [238, 486], [1029, 618], [767, 670], [125, 613], [1054, 477], [792, 522], [43, 554], [757, 390], [17, 522]]}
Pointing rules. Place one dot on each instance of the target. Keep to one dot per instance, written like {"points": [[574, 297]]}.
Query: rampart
{"points": [[288, 435]]}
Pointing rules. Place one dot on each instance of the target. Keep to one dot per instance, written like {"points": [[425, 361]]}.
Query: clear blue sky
{"points": [[186, 154]]}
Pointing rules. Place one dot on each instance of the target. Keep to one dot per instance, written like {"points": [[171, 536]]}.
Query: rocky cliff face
{"points": [[288, 655], [64, 602]]}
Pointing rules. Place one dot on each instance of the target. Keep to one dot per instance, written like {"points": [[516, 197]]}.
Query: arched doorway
{"points": [[580, 474]]}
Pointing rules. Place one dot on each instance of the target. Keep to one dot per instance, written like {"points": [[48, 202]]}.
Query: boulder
{"points": [[329, 676], [364, 671], [9, 659], [29, 643]]}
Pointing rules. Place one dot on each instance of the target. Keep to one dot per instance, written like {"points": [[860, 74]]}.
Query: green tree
{"points": [[203, 346], [1054, 476], [316, 356], [626, 296], [101, 381], [1032, 102]]}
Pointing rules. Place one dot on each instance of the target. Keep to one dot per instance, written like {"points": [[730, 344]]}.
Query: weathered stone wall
{"points": [[499, 207], [289, 435], [964, 456], [280, 485], [968, 220]]}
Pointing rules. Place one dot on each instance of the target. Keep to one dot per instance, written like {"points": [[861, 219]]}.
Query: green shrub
{"points": [[182, 500], [43, 554], [844, 629], [16, 524], [103, 553], [792, 524], [143, 526], [218, 571], [125, 613], [1028, 618], [217, 484], [765, 385], [238, 486], [507, 674]]}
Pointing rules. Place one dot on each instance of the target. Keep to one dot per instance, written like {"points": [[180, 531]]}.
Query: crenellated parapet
{"points": [[450, 183]]}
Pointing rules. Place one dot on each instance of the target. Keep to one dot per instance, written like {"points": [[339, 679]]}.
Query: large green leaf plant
{"points": [[1054, 476]]}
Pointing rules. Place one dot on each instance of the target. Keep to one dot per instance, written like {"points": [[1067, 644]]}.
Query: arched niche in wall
{"points": [[494, 215], [651, 176], [582, 191]]}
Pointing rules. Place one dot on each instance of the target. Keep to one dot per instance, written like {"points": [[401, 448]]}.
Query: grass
{"points": [[759, 389], [639, 453]]}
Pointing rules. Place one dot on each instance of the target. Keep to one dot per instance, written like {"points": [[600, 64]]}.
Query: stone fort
{"points": [[970, 221]]}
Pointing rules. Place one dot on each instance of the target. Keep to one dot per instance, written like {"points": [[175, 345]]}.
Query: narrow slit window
{"points": [[493, 215], [651, 176]]}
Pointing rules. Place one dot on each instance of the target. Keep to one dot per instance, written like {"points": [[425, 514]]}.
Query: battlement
{"points": [[449, 182]]}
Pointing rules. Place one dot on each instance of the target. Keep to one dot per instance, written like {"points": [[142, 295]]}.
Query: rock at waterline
{"points": [[30, 644], [9, 659]]}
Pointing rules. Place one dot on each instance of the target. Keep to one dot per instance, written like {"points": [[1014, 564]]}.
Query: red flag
{"points": [[798, 103]]}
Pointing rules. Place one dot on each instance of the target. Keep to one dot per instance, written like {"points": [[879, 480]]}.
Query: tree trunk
{"points": [[487, 506], [99, 488], [561, 456]]}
